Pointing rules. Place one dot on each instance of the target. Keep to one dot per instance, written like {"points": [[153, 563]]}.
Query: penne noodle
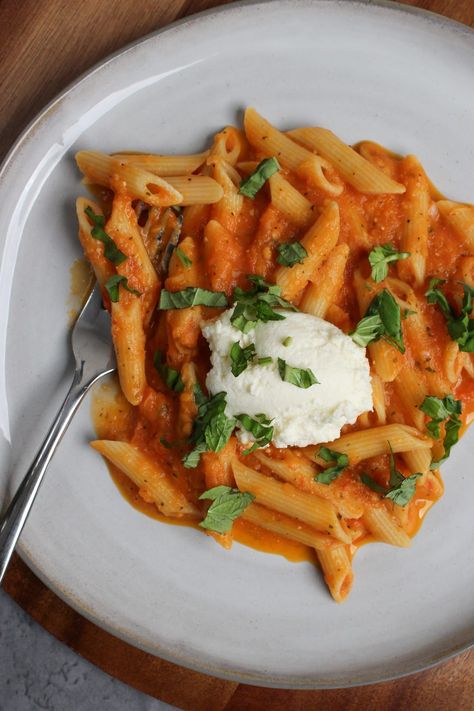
{"points": [[153, 482], [415, 231], [290, 202], [326, 283], [461, 219], [124, 177], [129, 342], [318, 242], [289, 528], [337, 570], [93, 249], [271, 142], [385, 528], [357, 171], [285, 498], [164, 165], [375, 441], [196, 189]]}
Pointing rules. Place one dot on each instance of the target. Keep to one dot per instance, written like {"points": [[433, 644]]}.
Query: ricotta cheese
{"points": [[300, 416]]}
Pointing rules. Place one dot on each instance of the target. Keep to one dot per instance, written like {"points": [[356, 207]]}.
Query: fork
{"points": [[93, 352]]}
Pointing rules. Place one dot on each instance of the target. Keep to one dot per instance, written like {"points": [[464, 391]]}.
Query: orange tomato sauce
{"points": [[250, 246]]}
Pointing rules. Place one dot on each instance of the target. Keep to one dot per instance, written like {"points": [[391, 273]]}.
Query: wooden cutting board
{"points": [[44, 46]]}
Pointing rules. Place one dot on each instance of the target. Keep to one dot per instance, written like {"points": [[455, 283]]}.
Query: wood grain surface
{"points": [[44, 45]]}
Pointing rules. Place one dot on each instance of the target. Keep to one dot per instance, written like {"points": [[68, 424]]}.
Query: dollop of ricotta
{"points": [[300, 416]]}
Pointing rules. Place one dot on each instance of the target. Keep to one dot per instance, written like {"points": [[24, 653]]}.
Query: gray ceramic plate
{"points": [[366, 70]]}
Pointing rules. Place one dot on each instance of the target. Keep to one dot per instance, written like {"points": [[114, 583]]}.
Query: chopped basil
{"points": [[192, 296], [183, 258], [212, 428], [241, 357], [264, 170], [401, 489], [380, 257], [330, 455], [460, 328], [287, 341], [227, 505], [261, 429], [265, 360], [111, 251], [113, 284], [386, 322], [369, 329], [447, 410], [170, 376], [291, 253], [301, 377], [257, 304], [372, 484]]}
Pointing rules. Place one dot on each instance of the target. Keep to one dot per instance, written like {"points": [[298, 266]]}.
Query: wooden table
{"points": [[44, 45]]}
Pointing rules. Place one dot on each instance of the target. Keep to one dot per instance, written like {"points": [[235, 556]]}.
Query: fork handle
{"points": [[11, 524]]}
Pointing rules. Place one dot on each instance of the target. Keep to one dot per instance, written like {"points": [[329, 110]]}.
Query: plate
{"points": [[366, 70]]}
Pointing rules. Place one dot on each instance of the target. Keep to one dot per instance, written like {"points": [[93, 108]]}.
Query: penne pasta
{"points": [[337, 570], [164, 165], [285, 498], [385, 527], [271, 142], [129, 342], [318, 242], [326, 283], [415, 231], [154, 484], [290, 202], [461, 218]]}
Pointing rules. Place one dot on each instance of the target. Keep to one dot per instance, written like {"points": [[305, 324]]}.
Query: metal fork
{"points": [[92, 348]]}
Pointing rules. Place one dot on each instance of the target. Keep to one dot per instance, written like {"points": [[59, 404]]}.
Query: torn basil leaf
{"points": [[460, 327], [257, 304], [301, 377], [340, 460], [380, 257], [291, 253], [111, 251], [170, 376], [447, 410], [227, 505], [241, 357], [113, 284], [261, 429], [191, 296], [264, 170]]}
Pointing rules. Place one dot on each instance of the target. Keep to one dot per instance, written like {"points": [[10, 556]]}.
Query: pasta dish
{"points": [[292, 321]]}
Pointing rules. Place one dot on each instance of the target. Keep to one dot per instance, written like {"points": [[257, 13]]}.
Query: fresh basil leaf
{"points": [[227, 505], [291, 253], [111, 251], [183, 258], [447, 410], [241, 357], [212, 428], [380, 257], [264, 170], [199, 397], [265, 360], [113, 285], [369, 329], [257, 304], [331, 473], [403, 493], [170, 376], [385, 306], [192, 296], [301, 377], [460, 327], [372, 484], [261, 429]]}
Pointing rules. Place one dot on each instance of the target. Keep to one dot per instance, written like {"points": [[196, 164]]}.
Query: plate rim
{"points": [[196, 664]]}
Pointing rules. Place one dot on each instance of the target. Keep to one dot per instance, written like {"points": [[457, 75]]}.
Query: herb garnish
{"points": [[261, 429], [183, 258], [264, 170], [212, 428], [111, 251], [241, 357], [113, 284], [401, 489], [191, 296], [380, 257], [170, 376], [382, 320], [291, 253], [330, 455], [227, 505], [447, 410], [301, 377], [460, 328], [265, 360], [257, 304]]}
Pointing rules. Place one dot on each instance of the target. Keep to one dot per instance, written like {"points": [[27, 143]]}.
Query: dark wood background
{"points": [[44, 45]]}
